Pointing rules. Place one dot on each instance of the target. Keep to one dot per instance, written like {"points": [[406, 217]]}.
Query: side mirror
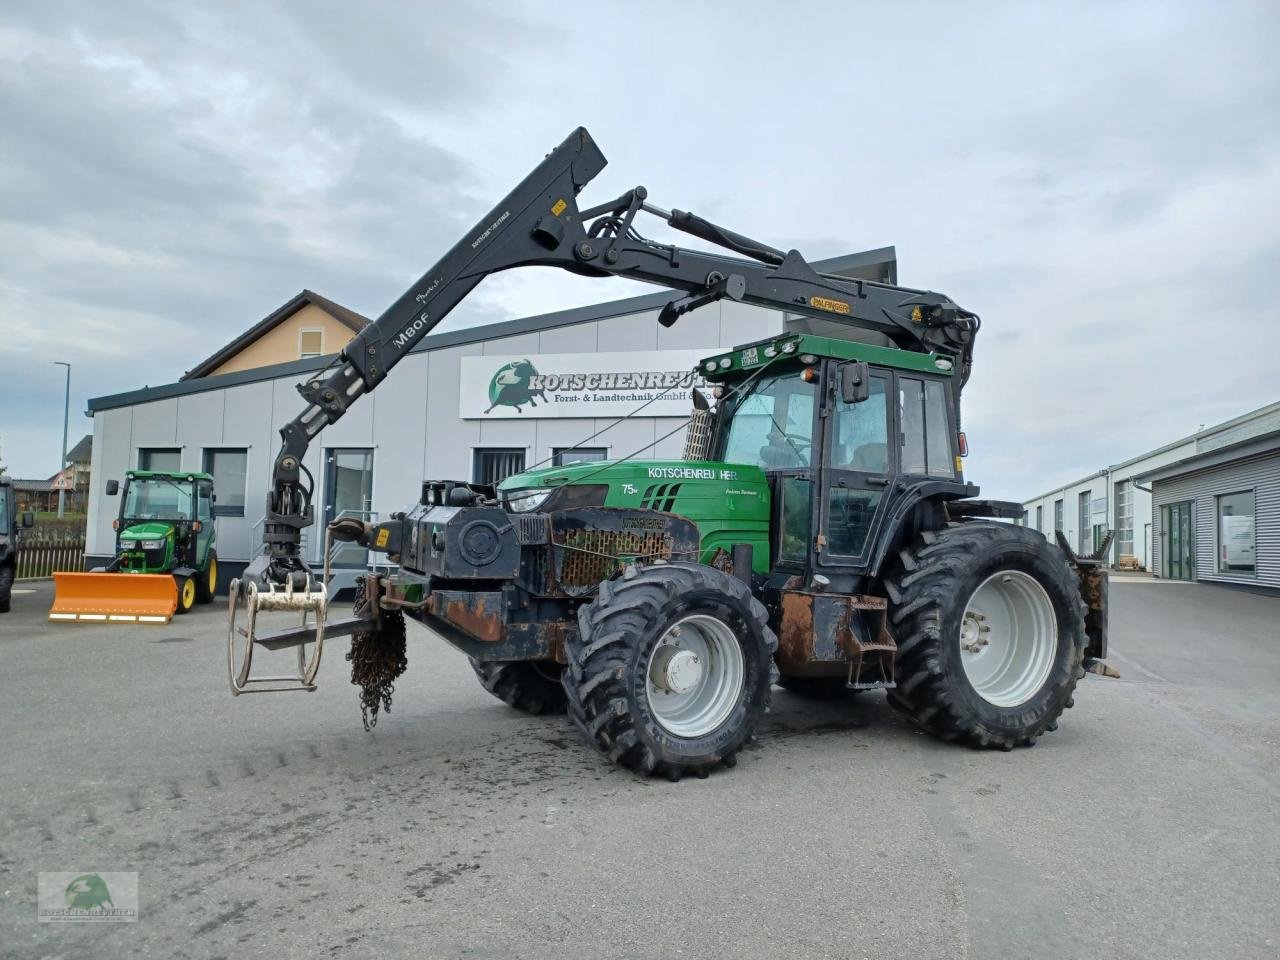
{"points": [[700, 401], [28, 519], [855, 381], [113, 487]]}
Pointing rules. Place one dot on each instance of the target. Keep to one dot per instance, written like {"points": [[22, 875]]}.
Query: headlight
{"points": [[522, 501], [152, 544], [128, 544]]}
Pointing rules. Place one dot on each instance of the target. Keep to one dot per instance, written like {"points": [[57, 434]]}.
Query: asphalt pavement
{"points": [[1146, 826]]}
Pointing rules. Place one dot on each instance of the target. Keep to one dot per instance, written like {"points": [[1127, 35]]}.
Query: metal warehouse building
{"points": [[1205, 507], [477, 404]]}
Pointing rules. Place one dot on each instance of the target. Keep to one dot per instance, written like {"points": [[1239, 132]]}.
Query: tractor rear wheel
{"points": [[207, 580], [532, 686], [990, 630], [671, 670]]}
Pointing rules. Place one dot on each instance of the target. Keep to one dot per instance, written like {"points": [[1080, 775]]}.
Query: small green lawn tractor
{"points": [[165, 560], [818, 533]]}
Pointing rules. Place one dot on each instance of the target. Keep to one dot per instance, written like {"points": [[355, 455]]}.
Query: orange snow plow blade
{"points": [[114, 597]]}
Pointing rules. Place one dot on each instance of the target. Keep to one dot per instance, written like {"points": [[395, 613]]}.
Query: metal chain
{"points": [[377, 658]]}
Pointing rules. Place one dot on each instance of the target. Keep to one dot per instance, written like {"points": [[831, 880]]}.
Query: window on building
{"points": [[566, 455], [492, 465], [1057, 514], [1039, 518], [1084, 533], [310, 343], [229, 468], [926, 443], [1124, 519], [160, 459], [1236, 534]]}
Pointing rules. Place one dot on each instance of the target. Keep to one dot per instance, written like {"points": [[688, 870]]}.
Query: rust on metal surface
{"points": [[471, 613], [795, 633], [823, 627]]}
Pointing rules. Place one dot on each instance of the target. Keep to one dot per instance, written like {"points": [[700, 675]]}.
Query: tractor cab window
{"points": [[158, 498], [204, 495], [772, 424], [4, 510], [860, 432], [925, 436]]}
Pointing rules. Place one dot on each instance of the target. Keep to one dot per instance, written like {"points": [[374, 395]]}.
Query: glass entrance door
{"points": [[1179, 536], [348, 491]]}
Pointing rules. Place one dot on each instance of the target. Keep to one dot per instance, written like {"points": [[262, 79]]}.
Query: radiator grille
{"points": [[589, 557]]}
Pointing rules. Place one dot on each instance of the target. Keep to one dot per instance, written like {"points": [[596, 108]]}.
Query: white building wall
{"points": [[410, 422]]}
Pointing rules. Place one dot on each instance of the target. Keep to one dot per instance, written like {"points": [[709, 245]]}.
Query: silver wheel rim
{"points": [[695, 676], [1008, 637]]}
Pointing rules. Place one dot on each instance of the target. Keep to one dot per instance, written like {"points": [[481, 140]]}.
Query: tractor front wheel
{"points": [[531, 686], [990, 631], [186, 593], [672, 668], [6, 587]]}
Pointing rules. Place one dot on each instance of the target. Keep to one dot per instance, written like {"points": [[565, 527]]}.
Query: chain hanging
{"points": [[377, 658]]}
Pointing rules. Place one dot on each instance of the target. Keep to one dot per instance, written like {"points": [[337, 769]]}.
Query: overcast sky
{"points": [[1101, 182]]}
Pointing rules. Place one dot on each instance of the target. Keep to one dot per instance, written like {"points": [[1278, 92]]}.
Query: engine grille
{"points": [[585, 558]]}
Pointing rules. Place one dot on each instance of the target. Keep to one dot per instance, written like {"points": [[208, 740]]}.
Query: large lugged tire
{"points": [[672, 668], [990, 631], [6, 587], [530, 686]]}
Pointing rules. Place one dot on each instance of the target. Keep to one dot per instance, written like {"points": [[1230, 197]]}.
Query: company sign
{"points": [[579, 384]]}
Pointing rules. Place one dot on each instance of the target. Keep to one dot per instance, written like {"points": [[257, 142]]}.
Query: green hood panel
{"points": [[728, 501], [147, 530]]}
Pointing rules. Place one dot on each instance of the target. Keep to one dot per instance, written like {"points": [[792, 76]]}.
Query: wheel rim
{"points": [[695, 676], [213, 574], [1008, 638], [188, 592]]}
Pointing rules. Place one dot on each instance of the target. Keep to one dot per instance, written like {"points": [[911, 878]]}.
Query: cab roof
{"points": [[751, 356], [169, 474]]}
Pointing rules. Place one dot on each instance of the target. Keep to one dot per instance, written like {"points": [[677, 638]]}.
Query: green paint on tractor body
{"points": [[729, 502], [158, 514]]}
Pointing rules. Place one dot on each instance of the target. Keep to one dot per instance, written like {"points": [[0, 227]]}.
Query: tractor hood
{"points": [[636, 473], [729, 502], [147, 530]]}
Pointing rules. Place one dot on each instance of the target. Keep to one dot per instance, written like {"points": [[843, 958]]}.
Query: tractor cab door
{"points": [[204, 513], [876, 453], [859, 461]]}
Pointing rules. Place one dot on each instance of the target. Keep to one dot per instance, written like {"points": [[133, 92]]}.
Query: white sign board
{"points": [[579, 384]]}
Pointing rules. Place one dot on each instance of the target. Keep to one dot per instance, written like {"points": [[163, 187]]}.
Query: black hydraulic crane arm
{"points": [[539, 224]]}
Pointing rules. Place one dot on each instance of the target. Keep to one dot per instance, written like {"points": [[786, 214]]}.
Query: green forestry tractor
{"points": [[819, 532]]}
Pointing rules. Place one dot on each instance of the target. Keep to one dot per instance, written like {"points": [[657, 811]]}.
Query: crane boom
{"points": [[539, 223]]}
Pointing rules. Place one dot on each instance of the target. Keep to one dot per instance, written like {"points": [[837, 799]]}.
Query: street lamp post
{"points": [[66, 415]]}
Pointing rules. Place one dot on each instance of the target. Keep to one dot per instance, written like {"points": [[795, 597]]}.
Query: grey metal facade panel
{"points": [[411, 422], [1261, 474]]}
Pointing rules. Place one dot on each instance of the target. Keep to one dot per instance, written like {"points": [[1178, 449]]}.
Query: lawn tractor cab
{"points": [[819, 531], [10, 524], [165, 561]]}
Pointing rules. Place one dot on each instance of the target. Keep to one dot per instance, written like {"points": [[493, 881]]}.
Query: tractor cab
{"points": [[164, 518], [850, 436]]}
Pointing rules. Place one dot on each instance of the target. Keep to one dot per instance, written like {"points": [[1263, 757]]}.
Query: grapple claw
{"points": [[310, 599]]}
